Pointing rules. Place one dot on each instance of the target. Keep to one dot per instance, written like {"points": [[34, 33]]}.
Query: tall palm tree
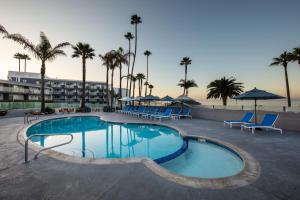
{"points": [[133, 79], [296, 55], [42, 51], [135, 20], [3, 30], [114, 64], [19, 56], [185, 62], [186, 85], [106, 61], [151, 87], [121, 58], [85, 51], [25, 57], [140, 77], [283, 60], [147, 53], [129, 37], [224, 88], [146, 86]]}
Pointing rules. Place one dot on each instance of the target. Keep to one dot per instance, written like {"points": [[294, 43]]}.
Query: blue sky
{"points": [[223, 38]]}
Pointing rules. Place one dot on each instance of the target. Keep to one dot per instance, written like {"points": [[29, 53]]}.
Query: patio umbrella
{"points": [[150, 98], [138, 98], [126, 99], [187, 100], [167, 98], [256, 94]]}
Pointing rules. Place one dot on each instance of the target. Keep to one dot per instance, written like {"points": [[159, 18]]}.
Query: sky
{"points": [[235, 38]]}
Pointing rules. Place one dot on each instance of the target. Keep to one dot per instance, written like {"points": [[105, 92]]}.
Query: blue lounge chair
{"points": [[153, 111], [246, 119], [186, 113], [176, 112], [164, 115], [268, 122], [124, 109]]}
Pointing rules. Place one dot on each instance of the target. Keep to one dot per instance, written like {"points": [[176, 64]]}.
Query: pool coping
{"points": [[249, 173]]}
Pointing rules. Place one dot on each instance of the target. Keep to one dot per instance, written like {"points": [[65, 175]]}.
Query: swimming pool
{"points": [[95, 138]]}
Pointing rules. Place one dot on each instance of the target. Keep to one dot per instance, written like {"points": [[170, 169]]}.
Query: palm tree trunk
{"points": [[128, 68], [120, 88], [224, 99], [19, 64], [134, 56], [287, 86], [185, 77], [133, 89], [43, 70], [112, 88], [25, 65], [141, 87], [107, 99], [147, 76], [83, 85], [150, 91]]}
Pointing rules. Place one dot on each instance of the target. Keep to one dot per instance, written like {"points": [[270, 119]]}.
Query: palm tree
{"points": [[121, 58], [151, 87], [106, 61], [186, 85], [185, 61], [224, 88], [25, 57], [140, 78], [114, 64], [133, 79], [129, 37], [84, 51], [146, 84], [296, 55], [3, 30], [283, 60], [135, 20], [147, 53], [19, 56], [42, 51]]}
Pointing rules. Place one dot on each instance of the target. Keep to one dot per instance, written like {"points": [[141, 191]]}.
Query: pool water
{"points": [[95, 138], [205, 160]]}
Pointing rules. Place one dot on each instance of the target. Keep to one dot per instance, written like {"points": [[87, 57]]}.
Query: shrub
{"points": [[49, 110]]}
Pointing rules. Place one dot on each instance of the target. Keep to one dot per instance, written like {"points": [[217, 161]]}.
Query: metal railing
{"points": [[26, 118], [46, 148]]}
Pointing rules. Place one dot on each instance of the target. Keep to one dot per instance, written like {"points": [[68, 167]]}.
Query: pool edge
{"points": [[249, 173]]}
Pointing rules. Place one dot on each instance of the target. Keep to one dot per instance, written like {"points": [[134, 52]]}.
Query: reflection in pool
{"points": [[95, 138]]}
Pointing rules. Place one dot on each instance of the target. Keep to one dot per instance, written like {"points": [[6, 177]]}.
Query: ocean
{"points": [[268, 105]]}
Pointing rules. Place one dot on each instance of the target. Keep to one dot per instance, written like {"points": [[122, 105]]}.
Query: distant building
{"points": [[14, 91], [65, 90]]}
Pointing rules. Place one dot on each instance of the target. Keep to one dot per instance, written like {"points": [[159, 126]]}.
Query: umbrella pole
{"points": [[255, 105]]}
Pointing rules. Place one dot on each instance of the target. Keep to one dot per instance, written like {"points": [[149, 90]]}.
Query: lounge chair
{"points": [[164, 115], [153, 111], [126, 108], [268, 122], [246, 119], [186, 113], [176, 113]]}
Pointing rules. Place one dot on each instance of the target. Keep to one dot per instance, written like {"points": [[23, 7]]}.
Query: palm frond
{"points": [[3, 30], [24, 42]]}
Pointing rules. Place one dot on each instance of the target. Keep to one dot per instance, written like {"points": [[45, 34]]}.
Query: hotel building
{"points": [[64, 90]]}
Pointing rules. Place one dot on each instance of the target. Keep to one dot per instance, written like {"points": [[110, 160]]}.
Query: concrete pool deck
{"points": [[50, 178]]}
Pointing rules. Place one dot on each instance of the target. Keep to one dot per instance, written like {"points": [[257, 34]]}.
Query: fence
{"points": [[29, 105]]}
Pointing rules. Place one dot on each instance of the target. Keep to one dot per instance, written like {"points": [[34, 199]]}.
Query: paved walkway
{"points": [[49, 178]]}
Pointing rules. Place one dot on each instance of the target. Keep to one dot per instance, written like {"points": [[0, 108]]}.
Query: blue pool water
{"points": [[94, 138]]}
